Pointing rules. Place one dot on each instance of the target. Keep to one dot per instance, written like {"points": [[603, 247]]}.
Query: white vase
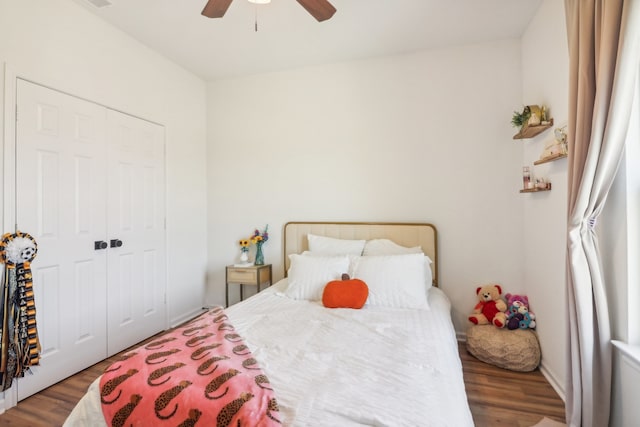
{"points": [[244, 257]]}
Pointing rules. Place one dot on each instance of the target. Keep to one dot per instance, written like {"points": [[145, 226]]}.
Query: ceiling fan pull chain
{"points": [[256, 15]]}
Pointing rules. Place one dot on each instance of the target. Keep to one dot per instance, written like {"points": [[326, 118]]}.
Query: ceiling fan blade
{"points": [[320, 9], [216, 8]]}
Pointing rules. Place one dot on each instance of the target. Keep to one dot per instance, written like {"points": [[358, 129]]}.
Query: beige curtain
{"points": [[604, 51]]}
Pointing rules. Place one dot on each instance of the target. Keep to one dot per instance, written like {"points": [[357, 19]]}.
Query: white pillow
{"points": [[332, 246], [388, 247], [394, 280], [428, 274], [308, 275]]}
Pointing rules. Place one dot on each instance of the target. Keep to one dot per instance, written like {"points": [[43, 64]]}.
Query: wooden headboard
{"points": [[405, 234]]}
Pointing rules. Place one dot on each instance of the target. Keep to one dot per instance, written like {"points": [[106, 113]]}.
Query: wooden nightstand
{"points": [[254, 275]]}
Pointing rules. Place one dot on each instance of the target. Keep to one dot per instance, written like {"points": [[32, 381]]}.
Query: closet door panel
{"points": [[123, 310], [47, 187], [60, 201], [49, 327], [152, 300], [136, 219]]}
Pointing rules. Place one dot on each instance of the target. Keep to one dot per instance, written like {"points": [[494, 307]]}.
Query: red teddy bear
{"points": [[490, 308]]}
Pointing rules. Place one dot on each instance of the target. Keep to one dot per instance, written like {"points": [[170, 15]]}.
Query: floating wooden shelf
{"points": [[534, 190], [550, 159], [531, 131]]}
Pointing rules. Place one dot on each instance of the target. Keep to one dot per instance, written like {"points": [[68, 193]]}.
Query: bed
{"points": [[394, 362]]}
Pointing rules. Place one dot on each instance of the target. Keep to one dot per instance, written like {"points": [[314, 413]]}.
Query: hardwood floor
{"points": [[497, 397], [51, 406]]}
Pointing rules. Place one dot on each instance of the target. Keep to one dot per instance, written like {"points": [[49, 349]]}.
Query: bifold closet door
{"points": [[135, 215], [61, 188], [90, 190]]}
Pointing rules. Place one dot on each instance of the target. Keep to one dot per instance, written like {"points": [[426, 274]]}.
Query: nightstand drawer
{"points": [[242, 275], [252, 275]]}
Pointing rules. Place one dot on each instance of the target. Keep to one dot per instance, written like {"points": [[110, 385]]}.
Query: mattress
{"points": [[341, 367]]}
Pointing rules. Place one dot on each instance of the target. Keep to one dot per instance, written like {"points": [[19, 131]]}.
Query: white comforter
{"points": [[341, 367]]}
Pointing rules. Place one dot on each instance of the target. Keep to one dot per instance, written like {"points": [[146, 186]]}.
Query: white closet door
{"points": [[61, 201], [136, 269]]}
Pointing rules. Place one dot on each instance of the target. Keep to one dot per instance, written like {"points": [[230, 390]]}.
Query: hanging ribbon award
{"points": [[18, 334]]}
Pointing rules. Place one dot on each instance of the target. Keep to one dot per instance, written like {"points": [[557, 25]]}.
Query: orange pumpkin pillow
{"points": [[345, 293]]}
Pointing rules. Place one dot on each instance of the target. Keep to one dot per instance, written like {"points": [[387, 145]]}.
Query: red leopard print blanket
{"points": [[199, 374]]}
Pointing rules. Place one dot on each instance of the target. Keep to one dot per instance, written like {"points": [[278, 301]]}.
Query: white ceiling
{"points": [[288, 37]]}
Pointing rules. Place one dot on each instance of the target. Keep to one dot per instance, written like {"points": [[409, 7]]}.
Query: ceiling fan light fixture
{"points": [[319, 9]]}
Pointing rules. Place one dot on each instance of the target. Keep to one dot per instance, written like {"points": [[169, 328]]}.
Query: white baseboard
{"points": [[9, 399], [555, 383], [188, 316]]}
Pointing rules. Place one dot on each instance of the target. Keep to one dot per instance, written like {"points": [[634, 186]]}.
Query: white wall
{"points": [[420, 137], [59, 44], [545, 71]]}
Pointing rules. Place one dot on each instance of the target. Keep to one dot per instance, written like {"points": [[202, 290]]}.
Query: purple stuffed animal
{"points": [[518, 314]]}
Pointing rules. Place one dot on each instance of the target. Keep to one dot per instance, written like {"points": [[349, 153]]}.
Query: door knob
{"points": [[116, 243], [99, 244]]}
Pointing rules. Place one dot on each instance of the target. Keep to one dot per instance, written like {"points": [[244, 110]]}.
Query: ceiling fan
{"points": [[320, 9]]}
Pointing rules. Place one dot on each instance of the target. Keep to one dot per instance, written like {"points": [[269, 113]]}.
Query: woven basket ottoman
{"points": [[517, 350]]}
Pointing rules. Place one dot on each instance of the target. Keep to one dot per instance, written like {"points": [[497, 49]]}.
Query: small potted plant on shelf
{"points": [[519, 120], [532, 120]]}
